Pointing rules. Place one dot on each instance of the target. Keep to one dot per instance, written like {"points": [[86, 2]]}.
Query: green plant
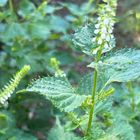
{"points": [[89, 110], [87, 105], [37, 29]]}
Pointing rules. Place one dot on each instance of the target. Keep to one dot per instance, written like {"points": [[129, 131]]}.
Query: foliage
{"points": [[9, 131], [121, 66], [35, 29], [101, 104], [59, 91]]}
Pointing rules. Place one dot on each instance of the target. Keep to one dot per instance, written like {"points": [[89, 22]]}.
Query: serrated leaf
{"points": [[121, 66], [86, 84], [103, 105], [59, 92], [82, 38]]}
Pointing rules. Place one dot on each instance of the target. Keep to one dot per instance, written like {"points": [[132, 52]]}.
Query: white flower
{"points": [[106, 21], [96, 31], [103, 36], [93, 39], [108, 9], [97, 26], [100, 41], [104, 30], [106, 46], [99, 18], [108, 38], [112, 36], [112, 23]]}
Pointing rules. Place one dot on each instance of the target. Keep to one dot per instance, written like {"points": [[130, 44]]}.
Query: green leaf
{"points": [[57, 24], [12, 31], [6, 121], [27, 8], [16, 134], [79, 10], [59, 91], [109, 137], [82, 39], [38, 30], [58, 133], [46, 8], [3, 2], [8, 130], [121, 127], [121, 66]]}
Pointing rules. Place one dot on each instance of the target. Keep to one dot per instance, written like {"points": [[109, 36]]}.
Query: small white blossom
{"points": [[112, 36], [99, 18], [100, 41], [106, 21], [104, 28], [106, 46], [103, 36], [108, 38], [93, 39], [112, 23], [96, 31], [108, 8], [97, 26]]}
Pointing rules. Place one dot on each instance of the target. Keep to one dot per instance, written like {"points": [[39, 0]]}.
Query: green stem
{"points": [[90, 2], [130, 89], [93, 99], [93, 95], [11, 6]]}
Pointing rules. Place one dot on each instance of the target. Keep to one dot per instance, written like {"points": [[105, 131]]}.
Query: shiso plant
{"points": [[88, 108]]}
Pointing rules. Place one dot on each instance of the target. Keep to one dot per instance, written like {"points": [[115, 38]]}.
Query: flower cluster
{"points": [[55, 64], [104, 27], [9, 89]]}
